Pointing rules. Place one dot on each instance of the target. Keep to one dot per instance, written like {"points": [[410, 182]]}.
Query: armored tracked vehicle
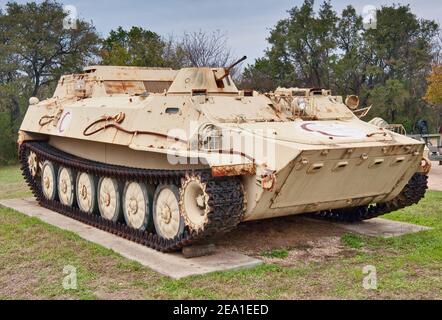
{"points": [[170, 158]]}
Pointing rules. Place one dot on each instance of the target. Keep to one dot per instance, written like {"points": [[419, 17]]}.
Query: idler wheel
{"points": [[109, 199], [168, 221], [86, 192], [137, 206]]}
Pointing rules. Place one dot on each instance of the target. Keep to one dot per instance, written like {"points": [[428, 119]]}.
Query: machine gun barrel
{"points": [[227, 70], [236, 63]]}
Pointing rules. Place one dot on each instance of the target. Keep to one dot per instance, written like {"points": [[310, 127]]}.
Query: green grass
{"points": [[277, 254], [12, 184], [428, 213], [33, 255], [353, 241]]}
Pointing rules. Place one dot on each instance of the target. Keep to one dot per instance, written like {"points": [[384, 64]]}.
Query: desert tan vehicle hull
{"points": [[314, 155], [308, 179]]}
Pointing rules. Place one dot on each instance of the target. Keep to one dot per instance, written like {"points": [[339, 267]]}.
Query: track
{"points": [[226, 199], [413, 192]]}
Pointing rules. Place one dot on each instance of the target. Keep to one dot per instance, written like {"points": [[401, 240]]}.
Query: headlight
{"points": [[301, 104], [210, 137]]}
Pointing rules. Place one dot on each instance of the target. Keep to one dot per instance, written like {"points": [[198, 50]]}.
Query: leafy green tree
{"points": [[35, 50], [41, 47], [434, 92], [402, 45], [301, 47], [388, 100], [326, 50], [401, 49], [350, 64], [136, 47], [259, 76]]}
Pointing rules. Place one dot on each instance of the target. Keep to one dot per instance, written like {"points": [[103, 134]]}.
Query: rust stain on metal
{"points": [[129, 87], [234, 170]]}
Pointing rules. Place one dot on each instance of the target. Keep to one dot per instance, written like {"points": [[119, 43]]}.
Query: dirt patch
{"points": [[305, 240], [316, 251], [120, 292], [18, 284]]}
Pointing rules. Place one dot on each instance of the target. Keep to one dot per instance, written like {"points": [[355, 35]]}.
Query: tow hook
{"points": [[268, 180]]}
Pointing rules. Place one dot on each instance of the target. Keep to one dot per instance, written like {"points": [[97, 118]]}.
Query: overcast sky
{"points": [[246, 23]]}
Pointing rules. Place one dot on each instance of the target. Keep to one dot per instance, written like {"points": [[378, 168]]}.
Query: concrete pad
{"points": [[435, 177], [172, 265], [382, 228]]}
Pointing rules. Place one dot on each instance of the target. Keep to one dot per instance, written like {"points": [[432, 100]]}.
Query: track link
{"points": [[226, 197], [413, 192]]}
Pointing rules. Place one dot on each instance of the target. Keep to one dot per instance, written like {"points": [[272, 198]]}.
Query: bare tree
{"points": [[437, 49], [203, 49], [199, 49]]}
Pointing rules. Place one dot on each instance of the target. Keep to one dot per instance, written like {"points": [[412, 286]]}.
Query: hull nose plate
{"points": [[315, 179]]}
